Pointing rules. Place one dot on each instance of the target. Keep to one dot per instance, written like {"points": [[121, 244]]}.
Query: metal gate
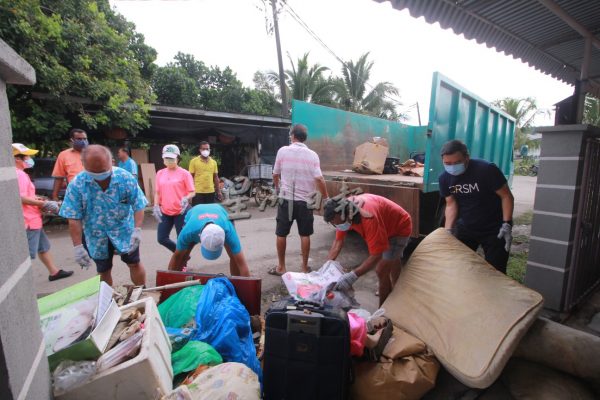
{"points": [[585, 268]]}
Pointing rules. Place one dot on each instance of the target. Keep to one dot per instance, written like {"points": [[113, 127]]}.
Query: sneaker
{"points": [[60, 275]]}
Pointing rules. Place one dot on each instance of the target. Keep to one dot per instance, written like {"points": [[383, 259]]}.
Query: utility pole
{"points": [[284, 105]]}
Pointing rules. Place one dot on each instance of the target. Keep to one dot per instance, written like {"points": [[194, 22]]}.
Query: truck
{"points": [[454, 113]]}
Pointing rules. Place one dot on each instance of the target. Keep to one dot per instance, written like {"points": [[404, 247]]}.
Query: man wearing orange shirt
{"points": [[383, 224], [68, 164]]}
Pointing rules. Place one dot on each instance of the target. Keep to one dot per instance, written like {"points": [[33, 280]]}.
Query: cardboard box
{"points": [[77, 322], [369, 157], [149, 375]]}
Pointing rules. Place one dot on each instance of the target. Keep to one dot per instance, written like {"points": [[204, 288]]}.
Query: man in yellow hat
{"points": [[32, 212]]}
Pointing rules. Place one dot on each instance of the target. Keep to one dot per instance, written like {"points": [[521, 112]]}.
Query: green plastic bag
{"points": [[179, 310], [193, 354]]}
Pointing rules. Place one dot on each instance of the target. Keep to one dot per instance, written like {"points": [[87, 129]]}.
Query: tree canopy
{"points": [[91, 66], [523, 110]]}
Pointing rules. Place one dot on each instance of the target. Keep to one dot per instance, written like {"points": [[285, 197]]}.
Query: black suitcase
{"points": [[307, 352]]}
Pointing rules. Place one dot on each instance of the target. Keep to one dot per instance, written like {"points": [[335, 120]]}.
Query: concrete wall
{"points": [[24, 370], [553, 229]]}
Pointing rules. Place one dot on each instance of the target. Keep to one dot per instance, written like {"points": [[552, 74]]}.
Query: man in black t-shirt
{"points": [[479, 203]]}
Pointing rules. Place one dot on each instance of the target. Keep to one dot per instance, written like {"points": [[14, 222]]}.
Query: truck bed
{"points": [[385, 179]]}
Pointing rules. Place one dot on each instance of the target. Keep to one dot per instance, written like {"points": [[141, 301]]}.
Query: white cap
{"points": [[212, 240], [170, 151]]}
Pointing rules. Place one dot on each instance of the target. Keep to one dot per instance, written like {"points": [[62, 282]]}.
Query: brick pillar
{"points": [[555, 211], [23, 364]]}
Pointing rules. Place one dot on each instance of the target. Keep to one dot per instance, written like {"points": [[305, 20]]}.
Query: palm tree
{"points": [[352, 92], [305, 82], [524, 111], [591, 113]]}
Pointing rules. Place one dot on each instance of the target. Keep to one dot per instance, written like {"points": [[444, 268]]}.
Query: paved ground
{"points": [[258, 241]]}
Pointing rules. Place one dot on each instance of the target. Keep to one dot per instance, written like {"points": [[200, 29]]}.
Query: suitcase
{"points": [[307, 352], [248, 289]]}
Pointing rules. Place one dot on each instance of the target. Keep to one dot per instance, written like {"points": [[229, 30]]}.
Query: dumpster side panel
{"points": [[455, 113]]}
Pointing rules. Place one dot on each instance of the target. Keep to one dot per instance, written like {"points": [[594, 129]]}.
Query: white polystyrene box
{"points": [[147, 376]]}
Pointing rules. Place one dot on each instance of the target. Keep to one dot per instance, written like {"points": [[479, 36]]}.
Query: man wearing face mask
{"points": [[206, 177], [383, 224], [68, 163], [479, 203], [32, 213], [108, 205]]}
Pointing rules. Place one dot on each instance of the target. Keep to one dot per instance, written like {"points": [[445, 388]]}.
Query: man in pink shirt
{"points": [[296, 175], [32, 212]]}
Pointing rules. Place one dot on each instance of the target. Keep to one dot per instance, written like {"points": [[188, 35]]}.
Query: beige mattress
{"points": [[470, 315]]}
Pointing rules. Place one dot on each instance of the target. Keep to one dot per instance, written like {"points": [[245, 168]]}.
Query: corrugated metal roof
{"points": [[524, 29]]}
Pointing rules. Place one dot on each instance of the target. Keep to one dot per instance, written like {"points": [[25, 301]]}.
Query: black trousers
{"points": [[204, 198], [493, 248]]}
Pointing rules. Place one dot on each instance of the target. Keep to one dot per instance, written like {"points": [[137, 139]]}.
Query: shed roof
{"points": [[525, 29]]}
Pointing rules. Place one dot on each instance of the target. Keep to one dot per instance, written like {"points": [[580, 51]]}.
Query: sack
{"points": [[178, 311], [193, 354], [407, 370], [223, 322], [226, 381], [307, 352], [471, 316]]}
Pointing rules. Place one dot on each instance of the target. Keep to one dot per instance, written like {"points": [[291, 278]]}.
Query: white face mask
{"points": [[205, 153]]}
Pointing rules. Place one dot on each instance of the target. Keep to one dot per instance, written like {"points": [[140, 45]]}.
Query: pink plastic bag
{"points": [[358, 334]]}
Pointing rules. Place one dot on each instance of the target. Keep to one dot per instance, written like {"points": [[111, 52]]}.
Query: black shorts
{"points": [[204, 198], [299, 212], [106, 265]]}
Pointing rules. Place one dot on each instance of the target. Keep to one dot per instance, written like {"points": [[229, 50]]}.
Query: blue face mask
{"points": [[29, 163], [455, 169], [79, 144], [343, 227], [100, 176]]}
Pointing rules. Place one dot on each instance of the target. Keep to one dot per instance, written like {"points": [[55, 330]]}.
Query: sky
{"points": [[405, 50]]}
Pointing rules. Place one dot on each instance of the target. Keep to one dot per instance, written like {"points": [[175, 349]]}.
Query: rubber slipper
{"points": [[273, 271], [60, 275]]}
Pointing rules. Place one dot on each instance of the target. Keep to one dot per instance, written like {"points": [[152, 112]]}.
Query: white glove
{"points": [[82, 257], [506, 234], [185, 203], [51, 206], [136, 239], [346, 281], [156, 213]]}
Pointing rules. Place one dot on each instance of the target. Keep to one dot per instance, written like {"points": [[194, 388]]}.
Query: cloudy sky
{"points": [[406, 51]]}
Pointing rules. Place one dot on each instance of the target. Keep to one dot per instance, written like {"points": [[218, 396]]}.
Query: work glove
{"points": [[51, 207], [82, 257], [136, 239], [156, 213], [346, 281], [185, 203], [506, 234]]}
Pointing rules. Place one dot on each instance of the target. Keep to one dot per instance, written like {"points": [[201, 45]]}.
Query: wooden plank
{"points": [[385, 179], [140, 156], [149, 179]]}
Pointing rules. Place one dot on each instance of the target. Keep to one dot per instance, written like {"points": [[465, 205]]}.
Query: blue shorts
{"points": [[396, 249], [107, 264], [38, 242]]}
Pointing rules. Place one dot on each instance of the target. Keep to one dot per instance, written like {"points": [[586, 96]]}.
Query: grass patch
{"points": [[516, 266], [524, 219], [520, 239]]}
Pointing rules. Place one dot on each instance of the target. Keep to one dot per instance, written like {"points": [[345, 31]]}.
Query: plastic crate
{"points": [[147, 376], [260, 171]]}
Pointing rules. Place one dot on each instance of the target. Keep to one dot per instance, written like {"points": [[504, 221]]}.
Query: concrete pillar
{"points": [[24, 370], [553, 229]]}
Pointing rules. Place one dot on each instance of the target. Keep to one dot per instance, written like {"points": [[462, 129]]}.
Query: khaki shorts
{"points": [[396, 249]]}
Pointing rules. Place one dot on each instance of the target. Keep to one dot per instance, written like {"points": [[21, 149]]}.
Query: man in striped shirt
{"points": [[296, 175]]}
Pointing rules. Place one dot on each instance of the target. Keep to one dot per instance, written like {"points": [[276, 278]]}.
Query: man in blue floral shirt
{"points": [[108, 205]]}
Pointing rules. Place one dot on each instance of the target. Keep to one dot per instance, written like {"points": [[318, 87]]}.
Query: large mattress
{"points": [[470, 315]]}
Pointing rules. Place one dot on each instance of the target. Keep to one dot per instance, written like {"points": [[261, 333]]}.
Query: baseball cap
{"points": [[170, 151], [212, 240], [19, 148]]}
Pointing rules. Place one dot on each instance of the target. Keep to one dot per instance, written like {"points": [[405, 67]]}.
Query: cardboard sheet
{"points": [[369, 158], [470, 315]]}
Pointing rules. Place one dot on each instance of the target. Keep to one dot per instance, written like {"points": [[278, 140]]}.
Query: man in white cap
{"points": [[32, 212], [209, 225]]}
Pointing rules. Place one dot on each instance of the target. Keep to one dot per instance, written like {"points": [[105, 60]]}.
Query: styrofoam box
{"points": [[147, 376]]}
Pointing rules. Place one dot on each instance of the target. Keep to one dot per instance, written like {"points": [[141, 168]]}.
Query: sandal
{"points": [[273, 271]]}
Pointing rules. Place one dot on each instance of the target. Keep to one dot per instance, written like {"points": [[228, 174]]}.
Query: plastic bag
{"points": [[179, 309], [179, 337], [125, 350], [71, 374], [223, 322], [358, 334], [192, 355]]}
